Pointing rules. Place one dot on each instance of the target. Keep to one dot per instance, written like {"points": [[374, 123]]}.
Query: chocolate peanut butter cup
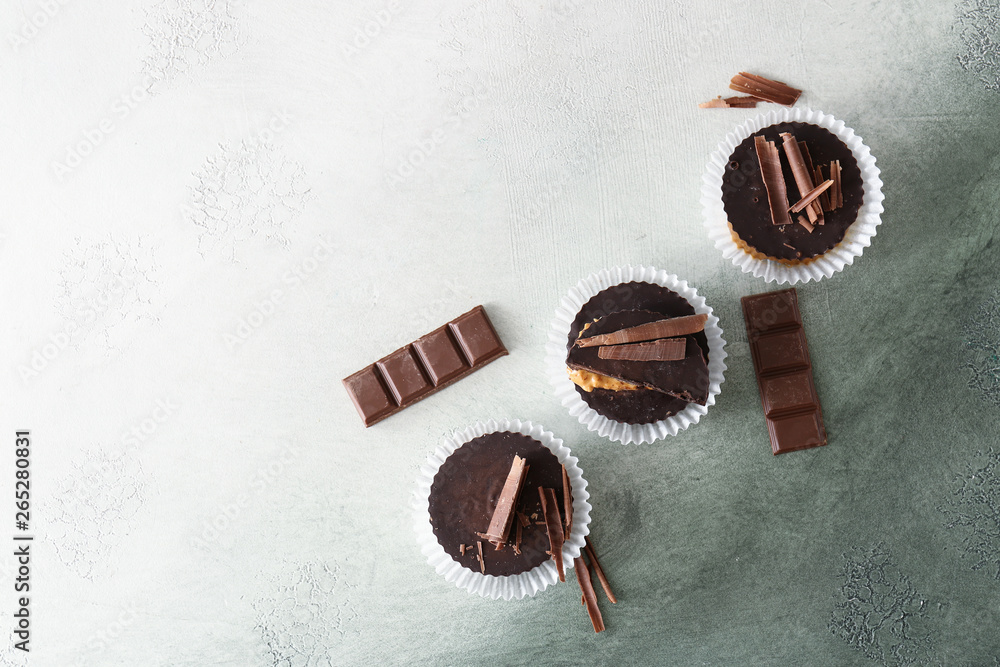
{"points": [[792, 195], [480, 518], [635, 354], [745, 195]]}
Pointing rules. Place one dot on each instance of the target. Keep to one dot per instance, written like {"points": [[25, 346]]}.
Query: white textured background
{"points": [[212, 211]]}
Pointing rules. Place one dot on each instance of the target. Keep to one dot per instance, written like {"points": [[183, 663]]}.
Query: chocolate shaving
{"points": [[589, 596], [589, 550], [837, 193], [482, 563], [801, 172], [805, 223], [668, 328], [567, 501], [517, 540], [524, 520], [503, 514], [824, 197], [774, 182], [553, 526], [665, 349], [804, 150], [811, 196], [765, 89], [719, 102], [461, 549]]}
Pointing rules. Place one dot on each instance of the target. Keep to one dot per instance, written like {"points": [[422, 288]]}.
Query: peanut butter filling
{"points": [[590, 381]]}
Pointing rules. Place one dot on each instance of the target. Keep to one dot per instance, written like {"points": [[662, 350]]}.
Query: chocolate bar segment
{"points": [[439, 356], [477, 338], [784, 371], [432, 362], [370, 396], [403, 374]]}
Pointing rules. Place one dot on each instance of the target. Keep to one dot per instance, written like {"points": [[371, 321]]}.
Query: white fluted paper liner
{"points": [[518, 585], [859, 234], [565, 390]]}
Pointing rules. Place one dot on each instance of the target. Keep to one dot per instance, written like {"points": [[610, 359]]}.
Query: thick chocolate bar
{"points": [[784, 372], [432, 362]]}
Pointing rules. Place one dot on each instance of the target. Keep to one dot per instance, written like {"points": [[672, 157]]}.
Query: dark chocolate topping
{"points": [[686, 379], [751, 220], [465, 492], [641, 406]]}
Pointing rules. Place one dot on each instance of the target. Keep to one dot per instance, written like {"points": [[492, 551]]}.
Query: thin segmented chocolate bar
{"points": [[432, 362], [784, 371]]}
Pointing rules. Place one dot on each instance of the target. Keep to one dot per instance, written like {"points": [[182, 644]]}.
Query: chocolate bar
{"points": [[784, 371], [432, 362]]}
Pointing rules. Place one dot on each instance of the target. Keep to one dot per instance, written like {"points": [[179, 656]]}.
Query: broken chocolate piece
{"points": [[482, 563], [589, 596], [686, 379], [800, 172], [567, 501], [805, 223], [661, 328], [589, 550], [504, 512], [774, 181], [811, 196], [553, 526], [765, 89], [665, 349]]}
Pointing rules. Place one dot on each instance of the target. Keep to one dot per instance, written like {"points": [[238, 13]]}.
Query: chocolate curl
{"points": [[824, 198], [553, 526], [666, 349], [768, 90], [811, 196], [668, 328], [567, 501], [589, 596], [503, 514], [774, 181], [803, 179], [730, 103], [837, 193], [589, 550]]}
